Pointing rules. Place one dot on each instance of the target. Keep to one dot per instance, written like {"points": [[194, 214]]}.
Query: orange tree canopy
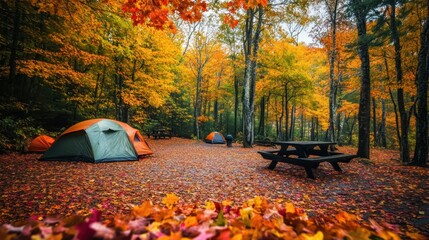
{"points": [[41, 143]]}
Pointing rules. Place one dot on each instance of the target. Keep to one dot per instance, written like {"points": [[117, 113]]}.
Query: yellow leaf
{"points": [[170, 200], [191, 221], [317, 236], [290, 208], [226, 203], [360, 233], [210, 205], [237, 237], [144, 210]]}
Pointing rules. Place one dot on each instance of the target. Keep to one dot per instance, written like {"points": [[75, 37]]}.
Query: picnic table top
{"points": [[161, 130], [304, 143]]}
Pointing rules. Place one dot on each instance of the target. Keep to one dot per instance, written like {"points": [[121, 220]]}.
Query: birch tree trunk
{"points": [[197, 104], [332, 83], [251, 46]]}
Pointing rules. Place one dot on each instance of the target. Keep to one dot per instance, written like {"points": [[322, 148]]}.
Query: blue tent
{"points": [[215, 137]]}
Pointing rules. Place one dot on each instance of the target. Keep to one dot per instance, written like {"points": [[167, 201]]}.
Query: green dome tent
{"points": [[95, 140]]}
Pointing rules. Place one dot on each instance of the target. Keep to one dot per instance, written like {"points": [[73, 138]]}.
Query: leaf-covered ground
{"points": [[379, 189]]}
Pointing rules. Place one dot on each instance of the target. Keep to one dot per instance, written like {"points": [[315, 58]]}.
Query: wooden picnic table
{"points": [[307, 154], [161, 133]]}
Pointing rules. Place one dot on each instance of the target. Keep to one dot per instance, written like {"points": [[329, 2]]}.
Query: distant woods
{"points": [[239, 69]]}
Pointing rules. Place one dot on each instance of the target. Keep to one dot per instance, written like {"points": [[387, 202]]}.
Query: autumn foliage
{"points": [[255, 219], [157, 13]]}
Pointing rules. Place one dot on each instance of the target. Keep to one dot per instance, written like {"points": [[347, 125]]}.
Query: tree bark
{"points": [[261, 117], [340, 122], [236, 102], [421, 149], [216, 108], [292, 124], [332, 81], [352, 125], [197, 104], [251, 46], [405, 151], [302, 126], [14, 48], [280, 121], [382, 129], [395, 109], [286, 107], [364, 115], [313, 129], [398, 133], [374, 120]]}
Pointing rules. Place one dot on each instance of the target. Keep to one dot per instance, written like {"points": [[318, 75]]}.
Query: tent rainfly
{"points": [[215, 137], [98, 140], [41, 143]]}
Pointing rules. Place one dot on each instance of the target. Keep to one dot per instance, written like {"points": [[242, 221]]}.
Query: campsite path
{"points": [[379, 189]]}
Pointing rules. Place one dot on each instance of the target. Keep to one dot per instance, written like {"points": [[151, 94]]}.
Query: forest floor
{"points": [[380, 188]]}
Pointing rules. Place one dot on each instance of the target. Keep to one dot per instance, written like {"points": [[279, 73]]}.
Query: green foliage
{"points": [[15, 133]]}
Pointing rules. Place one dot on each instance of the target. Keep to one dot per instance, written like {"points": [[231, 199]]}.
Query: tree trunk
{"points": [[317, 129], [405, 151], [286, 107], [421, 149], [339, 129], [99, 92], [352, 125], [216, 108], [313, 129], [302, 126], [14, 49], [395, 109], [262, 117], [332, 82], [280, 121], [197, 104], [382, 129], [251, 56], [374, 121], [236, 102], [364, 115], [292, 124], [266, 113]]}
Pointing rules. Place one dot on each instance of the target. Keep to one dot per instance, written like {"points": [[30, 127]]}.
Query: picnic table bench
{"points": [[160, 133], [306, 155]]}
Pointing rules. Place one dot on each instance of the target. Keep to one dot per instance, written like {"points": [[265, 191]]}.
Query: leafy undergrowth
{"points": [[255, 219], [376, 190]]}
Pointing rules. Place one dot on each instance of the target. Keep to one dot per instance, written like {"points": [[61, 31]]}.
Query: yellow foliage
{"points": [[170, 200], [210, 205], [191, 221], [144, 210], [317, 236]]}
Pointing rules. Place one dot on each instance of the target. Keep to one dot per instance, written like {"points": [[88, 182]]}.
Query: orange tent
{"points": [[40, 143], [140, 145], [215, 137]]}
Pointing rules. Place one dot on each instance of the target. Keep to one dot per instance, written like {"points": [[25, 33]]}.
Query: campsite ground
{"points": [[379, 189]]}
